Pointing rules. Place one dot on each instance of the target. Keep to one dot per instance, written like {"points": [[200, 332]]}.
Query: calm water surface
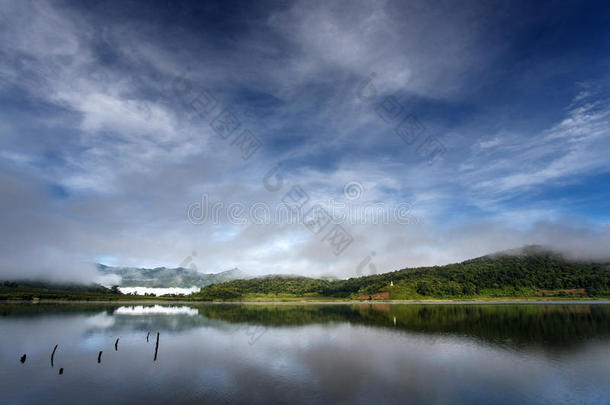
{"points": [[347, 354]]}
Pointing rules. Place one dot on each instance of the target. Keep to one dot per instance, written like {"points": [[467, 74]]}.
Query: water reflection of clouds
{"points": [[37, 336], [156, 310], [101, 321], [158, 291], [338, 362]]}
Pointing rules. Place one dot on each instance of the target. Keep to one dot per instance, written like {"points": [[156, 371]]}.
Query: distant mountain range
{"points": [[163, 277]]}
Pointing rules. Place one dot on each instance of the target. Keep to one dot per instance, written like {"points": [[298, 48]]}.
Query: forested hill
{"points": [[34, 290], [529, 272]]}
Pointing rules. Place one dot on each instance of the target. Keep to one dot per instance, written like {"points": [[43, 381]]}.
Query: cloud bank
{"points": [[102, 155]]}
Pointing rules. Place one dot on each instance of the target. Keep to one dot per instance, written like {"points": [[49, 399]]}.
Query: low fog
{"points": [[42, 239]]}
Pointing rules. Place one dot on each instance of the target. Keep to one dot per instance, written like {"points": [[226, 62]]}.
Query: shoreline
{"points": [[499, 301]]}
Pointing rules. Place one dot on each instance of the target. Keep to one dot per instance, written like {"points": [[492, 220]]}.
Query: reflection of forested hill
{"points": [[52, 309], [120, 321], [520, 326], [511, 325], [174, 323]]}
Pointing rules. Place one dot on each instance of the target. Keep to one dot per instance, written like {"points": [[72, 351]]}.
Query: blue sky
{"points": [[102, 154]]}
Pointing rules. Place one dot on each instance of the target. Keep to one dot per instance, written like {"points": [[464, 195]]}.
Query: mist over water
{"points": [[366, 353]]}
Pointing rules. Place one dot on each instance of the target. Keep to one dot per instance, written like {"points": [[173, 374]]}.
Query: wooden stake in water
{"points": [[23, 358], [61, 370], [99, 357], [147, 336], [157, 346], [116, 345], [53, 355]]}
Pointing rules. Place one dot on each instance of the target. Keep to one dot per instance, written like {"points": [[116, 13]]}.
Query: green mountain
{"points": [[530, 272], [163, 277], [533, 271], [29, 290]]}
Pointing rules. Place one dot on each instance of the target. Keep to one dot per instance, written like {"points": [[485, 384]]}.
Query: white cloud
{"points": [[575, 146], [132, 159]]}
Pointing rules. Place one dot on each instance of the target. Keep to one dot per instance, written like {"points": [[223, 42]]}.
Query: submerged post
{"points": [[53, 355], [23, 358], [116, 345], [157, 346], [99, 357], [61, 370], [147, 336]]}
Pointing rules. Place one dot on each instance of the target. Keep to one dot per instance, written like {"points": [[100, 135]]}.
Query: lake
{"points": [[306, 353]]}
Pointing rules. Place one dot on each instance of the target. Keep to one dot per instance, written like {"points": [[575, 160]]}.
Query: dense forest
{"points": [[31, 290], [529, 272]]}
